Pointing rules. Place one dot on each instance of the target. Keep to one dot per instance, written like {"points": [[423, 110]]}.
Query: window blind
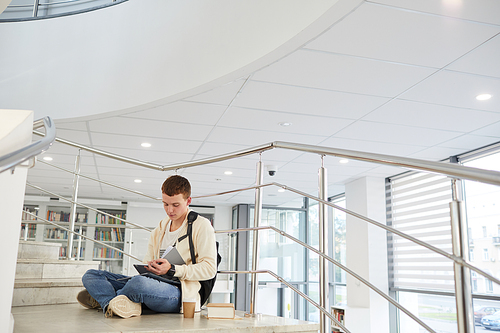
{"points": [[417, 204]]}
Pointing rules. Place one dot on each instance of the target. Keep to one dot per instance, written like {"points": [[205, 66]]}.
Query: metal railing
{"points": [[29, 11], [465, 321], [11, 160]]}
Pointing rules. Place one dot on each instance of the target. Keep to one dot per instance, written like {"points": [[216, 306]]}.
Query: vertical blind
{"points": [[418, 205]]}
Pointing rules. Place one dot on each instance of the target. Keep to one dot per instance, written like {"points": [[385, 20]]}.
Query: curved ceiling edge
{"points": [[123, 72]]}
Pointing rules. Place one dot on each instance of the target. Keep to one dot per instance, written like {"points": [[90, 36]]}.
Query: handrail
{"points": [[307, 298], [17, 157], [451, 170], [336, 263], [83, 236]]}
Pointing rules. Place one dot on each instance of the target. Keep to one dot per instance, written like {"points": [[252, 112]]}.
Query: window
{"points": [[486, 255], [471, 254], [485, 234], [489, 286], [419, 206]]}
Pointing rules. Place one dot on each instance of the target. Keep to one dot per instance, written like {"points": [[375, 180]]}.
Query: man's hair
{"points": [[176, 184]]}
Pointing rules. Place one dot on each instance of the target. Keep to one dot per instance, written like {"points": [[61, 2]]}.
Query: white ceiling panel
{"points": [[492, 130], [222, 95], [317, 69], [432, 116], [387, 33], [256, 137], [468, 142], [183, 112], [74, 125], [389, 148], [396, 133], [475, 10], [134, 142], [436, 153], [270, 121], [153, 128], [481, 59], [457, 89], [308, 101]]}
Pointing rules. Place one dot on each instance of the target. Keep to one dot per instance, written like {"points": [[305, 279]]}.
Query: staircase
{"points": [[42, 279]]}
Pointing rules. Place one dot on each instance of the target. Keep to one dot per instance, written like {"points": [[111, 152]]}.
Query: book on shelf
{"points": [[220, 311]]}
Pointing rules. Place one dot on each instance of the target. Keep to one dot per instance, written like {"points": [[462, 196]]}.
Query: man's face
{"points": [[175, 206]]}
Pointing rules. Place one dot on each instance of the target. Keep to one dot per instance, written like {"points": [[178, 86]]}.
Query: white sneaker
{"points": [[123, 307]]}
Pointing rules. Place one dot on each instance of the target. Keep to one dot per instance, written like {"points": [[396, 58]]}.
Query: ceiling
{"points": [[391, 77]]}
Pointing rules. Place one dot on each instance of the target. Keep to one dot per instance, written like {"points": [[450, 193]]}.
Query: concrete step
{"points": [[38, 250], [52, 269], [45, 291]]}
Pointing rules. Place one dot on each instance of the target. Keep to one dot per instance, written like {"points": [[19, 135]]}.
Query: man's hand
{"points": [[158, 266]]}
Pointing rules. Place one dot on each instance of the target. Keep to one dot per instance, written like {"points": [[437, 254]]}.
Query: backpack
{"points": [[206, 285]]}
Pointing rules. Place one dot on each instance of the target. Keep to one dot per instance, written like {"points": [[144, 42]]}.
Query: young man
{"points": [[125, 298]]}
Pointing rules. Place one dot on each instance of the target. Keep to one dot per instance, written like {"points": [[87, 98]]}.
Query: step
{"points": [[45, 291], [52, 269], [38, 250]]}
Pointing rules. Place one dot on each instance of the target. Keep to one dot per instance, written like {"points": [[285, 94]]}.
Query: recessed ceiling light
{"points": [[285, 124], [138, 181], [146, 144], [228, 172], [344, 161], [281, 190], [483, 97], [47, 158]]}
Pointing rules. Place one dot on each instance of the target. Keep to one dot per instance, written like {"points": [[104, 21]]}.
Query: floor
{"points": [[75, 318]]}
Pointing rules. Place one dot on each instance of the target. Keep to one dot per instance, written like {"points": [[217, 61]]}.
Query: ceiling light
{"points": [[228, 172], [138, 181], [47, 158], [281, 190], [483, 97], [146, 144], [344, 161], [285, 124]]}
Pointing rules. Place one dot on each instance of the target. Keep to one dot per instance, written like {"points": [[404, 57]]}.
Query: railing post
{"points": [[35, 8], [255, 254], [323, 246], [72, 215], [463, 294]]}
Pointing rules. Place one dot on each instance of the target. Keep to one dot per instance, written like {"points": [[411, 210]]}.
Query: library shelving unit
{"points": [[339, 313], [109, 231], [89, 223], [28, 230]]}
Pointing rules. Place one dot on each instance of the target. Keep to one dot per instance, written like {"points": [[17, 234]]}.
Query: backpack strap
{"points": [[192, 216]]}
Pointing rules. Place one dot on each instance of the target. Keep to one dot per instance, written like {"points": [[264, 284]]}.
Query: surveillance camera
{"points": [[272, 169]]}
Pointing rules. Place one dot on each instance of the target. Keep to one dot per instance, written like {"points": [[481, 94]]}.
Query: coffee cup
{"points": [[188, 307]]}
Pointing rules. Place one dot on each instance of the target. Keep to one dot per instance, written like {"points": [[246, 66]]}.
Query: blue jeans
{"points": [[157, 296]]}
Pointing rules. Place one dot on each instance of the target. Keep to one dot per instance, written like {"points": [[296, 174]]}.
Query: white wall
{"points": [[366, 254], [134, 54], [15, 132]]}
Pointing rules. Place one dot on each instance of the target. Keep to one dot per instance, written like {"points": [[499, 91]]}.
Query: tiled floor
{"points": [[74, 318]]}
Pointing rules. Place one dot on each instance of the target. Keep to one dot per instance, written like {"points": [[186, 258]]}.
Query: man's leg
{"points": [[156, 295], [102, 285]]}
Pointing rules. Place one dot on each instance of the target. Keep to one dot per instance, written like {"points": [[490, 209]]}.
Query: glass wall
{"points": [[435, 305]]}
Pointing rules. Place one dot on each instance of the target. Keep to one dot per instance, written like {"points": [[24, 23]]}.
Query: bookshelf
{"points": [[28, 230], [339, 314], [110, 231], [105, 229]]}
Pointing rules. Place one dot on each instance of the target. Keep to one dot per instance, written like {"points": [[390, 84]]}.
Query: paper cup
{"points": [[188, 306]]}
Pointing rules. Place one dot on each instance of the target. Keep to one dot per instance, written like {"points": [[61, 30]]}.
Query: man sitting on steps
{"points": [[124, 298]]}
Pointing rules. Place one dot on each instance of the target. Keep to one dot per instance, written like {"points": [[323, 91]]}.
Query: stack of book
{"points": [[220, 311]]}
